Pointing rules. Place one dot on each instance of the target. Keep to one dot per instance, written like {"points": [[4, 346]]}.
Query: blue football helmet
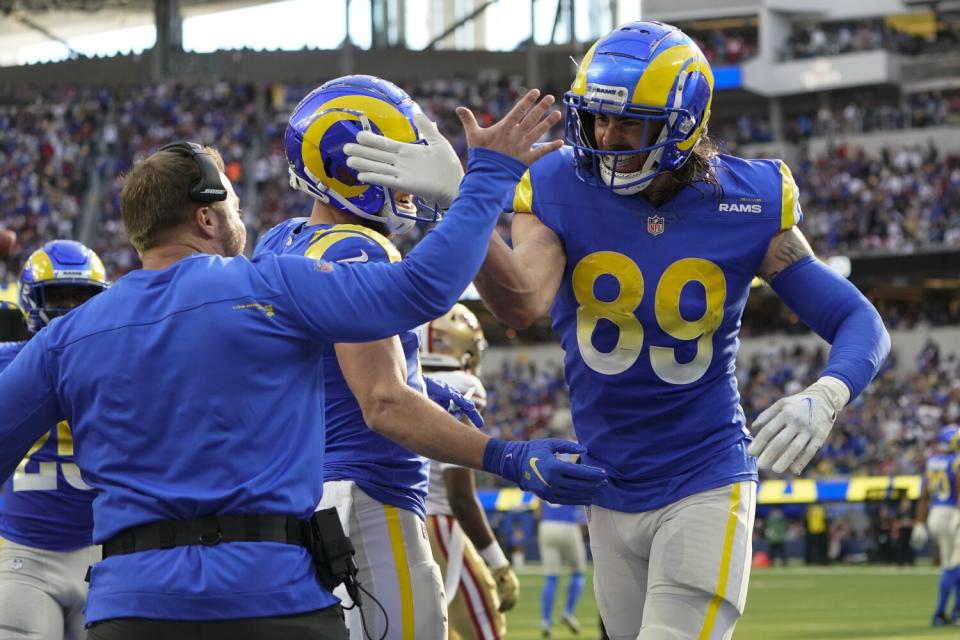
{"points": [[950, 437], [56, 264], [10, 295], [646, 71], [332, 116]]}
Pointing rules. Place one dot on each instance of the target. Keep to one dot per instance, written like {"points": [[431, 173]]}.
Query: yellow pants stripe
{"points": [[405, 588], [718, 597]]}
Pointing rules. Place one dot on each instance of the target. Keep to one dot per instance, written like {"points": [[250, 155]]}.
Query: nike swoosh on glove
{"points": [[431, 171], [792, 430], [533, 465], [452, 401]]}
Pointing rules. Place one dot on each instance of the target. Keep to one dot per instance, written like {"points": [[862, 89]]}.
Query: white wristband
{"points": [[493, 556]]}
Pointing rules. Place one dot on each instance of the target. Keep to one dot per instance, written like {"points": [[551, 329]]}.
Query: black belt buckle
{"points": [[209, 540], [211, 532]]}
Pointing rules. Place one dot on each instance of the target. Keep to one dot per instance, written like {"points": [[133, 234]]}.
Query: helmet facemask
{"points": [[604, 167]]}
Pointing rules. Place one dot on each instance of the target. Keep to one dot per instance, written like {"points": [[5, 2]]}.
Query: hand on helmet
{"points": [[431, 171]]}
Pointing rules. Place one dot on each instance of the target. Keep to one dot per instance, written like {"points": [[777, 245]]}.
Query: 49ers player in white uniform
{"points": [[478, 580]]}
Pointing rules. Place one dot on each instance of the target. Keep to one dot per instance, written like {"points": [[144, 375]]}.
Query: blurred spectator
{"points": [[816, 541], [903, 527], [775, 533], [827, 39], [905, 199]]}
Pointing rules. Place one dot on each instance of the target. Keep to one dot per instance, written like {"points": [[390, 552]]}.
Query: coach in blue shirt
{"points": [[193, 387]]}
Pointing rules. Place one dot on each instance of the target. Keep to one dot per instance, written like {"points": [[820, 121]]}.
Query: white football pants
{"points": [[943, 522], [396, 566], [42, 593], [676, 573], [561, 545]]}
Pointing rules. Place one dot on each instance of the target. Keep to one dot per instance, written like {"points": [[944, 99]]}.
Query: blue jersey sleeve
{"points": [[791, 214], [361, 302], [30, 404]]}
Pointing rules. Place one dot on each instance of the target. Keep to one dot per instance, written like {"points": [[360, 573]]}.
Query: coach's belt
{"points": [[209, 531]]}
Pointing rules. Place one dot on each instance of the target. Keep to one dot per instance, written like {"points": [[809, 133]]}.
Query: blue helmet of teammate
{"points": [[57, 264], [950, 437], [332, 116], [645, 71], [10, 295]]}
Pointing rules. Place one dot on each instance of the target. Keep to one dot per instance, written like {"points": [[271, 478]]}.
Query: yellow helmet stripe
{"points": [[41, 266], [98, 272], [658, 78], [579, 86], [387, 118]]}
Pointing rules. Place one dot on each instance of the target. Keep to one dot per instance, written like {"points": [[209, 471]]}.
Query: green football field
{"points": [[787, 604]]}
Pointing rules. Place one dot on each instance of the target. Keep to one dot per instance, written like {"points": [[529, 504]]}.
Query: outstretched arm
{"points": [[376, 373], [518, 285], [790, 432], [357, 303]]}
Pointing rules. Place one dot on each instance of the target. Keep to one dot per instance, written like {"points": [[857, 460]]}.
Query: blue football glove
{"points": [[533, 465], [452, 401]]}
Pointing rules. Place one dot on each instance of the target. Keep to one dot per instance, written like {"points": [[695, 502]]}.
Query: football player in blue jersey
{"points": [[560, 538], [938, 515], [46, 520], [642, 241], [196, 399], [377, 486]]}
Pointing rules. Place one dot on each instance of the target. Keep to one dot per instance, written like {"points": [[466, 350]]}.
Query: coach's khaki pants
{"points": [[676, 573]]}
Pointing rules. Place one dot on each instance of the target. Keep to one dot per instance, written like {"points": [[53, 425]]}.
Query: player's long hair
{"points": [[699, 167]]}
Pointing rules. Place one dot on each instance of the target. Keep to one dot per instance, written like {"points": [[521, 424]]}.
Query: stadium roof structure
{"points": [[37, 26]]}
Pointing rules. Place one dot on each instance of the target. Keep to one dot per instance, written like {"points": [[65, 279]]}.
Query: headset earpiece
{"points": [[209, 187]]}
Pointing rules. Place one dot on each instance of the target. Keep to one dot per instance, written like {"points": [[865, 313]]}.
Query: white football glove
{"points": [[431, 171], [919, 536], [793, 429]]}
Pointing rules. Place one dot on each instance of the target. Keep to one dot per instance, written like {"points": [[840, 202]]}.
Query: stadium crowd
{"points": [[864, 115], [825, 39], [50, 150], [47, 141]]}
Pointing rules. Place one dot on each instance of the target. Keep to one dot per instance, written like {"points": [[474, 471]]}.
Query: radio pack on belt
{"points": [[322, 535]]}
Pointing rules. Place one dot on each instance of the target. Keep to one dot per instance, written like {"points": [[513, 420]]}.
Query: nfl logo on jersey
{"points": [[655, 225]]}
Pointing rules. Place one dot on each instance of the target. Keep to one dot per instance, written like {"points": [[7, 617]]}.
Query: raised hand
{"points": [[515, 134]]}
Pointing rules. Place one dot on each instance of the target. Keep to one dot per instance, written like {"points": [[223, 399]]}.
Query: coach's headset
{"points": [[209, 188]]}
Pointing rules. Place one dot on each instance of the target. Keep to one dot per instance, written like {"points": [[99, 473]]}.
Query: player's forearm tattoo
{"points": [[790, 249]]}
